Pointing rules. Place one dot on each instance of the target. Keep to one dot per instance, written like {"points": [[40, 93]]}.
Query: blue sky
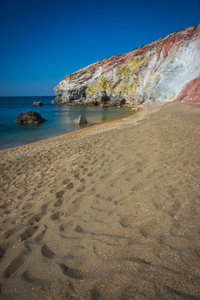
{"points": [[42, 41]]}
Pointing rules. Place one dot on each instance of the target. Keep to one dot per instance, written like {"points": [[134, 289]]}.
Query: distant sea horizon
{"points": [[60, 118]]}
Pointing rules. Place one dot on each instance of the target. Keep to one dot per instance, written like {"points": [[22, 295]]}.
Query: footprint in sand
{"points": [[78, 200], [127, 221], [27, 206], [13, 230], [46, 252], [66, 181], [15, 264], [95, 294], [174, 209], [150, 228], [29, 232], [40, 236], [58, 203], [144, 232], [172, 192], [29, 278], [81, 189], [139, 163], [90, 174], [79, 229], [72, 273], [65, 226], [56, 216], [5, 205], [105, 175], [59, 194], [3, 249], [22, 195], [37, 217], [70, 186], [76, 175], [85, 170], [45, 205]]}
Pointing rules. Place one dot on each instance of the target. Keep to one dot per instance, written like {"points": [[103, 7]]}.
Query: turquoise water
{"points": [[59, 119]]}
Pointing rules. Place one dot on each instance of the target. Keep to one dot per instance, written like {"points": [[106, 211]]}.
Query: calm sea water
{"points": [[59, 119]]}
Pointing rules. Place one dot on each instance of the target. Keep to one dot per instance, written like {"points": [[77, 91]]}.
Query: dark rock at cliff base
{"points": [[100, 97], [30, 117], [39, 103], [122, 101], [80, 120], [103, 97]]}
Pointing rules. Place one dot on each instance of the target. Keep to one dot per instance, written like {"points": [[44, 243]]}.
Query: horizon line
{"points": [[29, 96]]}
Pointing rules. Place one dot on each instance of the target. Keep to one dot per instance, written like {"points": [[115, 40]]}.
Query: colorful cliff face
{"points": [[166, 69]]}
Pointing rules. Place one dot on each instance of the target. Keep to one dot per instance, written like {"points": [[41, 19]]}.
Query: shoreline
{"points": [[84, 128], [142, 111], [106, 212], [78, 128]]}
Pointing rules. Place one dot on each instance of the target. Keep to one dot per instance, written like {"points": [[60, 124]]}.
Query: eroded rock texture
{"points": [[162, 70]]}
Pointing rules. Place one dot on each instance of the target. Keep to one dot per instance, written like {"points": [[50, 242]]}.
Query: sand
{"points": [[109, 212]]}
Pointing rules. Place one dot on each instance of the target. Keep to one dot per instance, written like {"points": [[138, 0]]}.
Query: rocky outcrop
{"points": [[30, 117], [191, 92], [39, 103], [160, 71], [80, 120]]}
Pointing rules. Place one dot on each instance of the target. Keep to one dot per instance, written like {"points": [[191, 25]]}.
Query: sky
{"points": [[42, 41]]}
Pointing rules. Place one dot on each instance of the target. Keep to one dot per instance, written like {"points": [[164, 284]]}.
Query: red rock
{"points": [[191, 92]]}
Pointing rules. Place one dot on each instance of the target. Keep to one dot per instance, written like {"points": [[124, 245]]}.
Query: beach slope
{"points": [[108, 212]]}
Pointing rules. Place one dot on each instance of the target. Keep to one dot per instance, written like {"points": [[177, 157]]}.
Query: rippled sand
{"points": [[109, 212]]}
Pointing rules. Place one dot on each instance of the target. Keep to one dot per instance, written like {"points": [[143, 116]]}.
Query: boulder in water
{"points": [[80, 120], [39, 103], [30, 117]]}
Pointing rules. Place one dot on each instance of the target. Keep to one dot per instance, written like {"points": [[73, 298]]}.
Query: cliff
{"points": [[166, 69]]}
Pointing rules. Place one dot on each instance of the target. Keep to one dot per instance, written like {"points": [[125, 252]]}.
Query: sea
{"points": [[59, 118]]}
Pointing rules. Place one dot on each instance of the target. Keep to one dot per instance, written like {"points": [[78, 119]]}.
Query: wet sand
{"points": [[108, 212]]}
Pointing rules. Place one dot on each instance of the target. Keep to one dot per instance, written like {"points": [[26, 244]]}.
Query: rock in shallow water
{"points": [[80, 120], [30, 117], [39, 103]]}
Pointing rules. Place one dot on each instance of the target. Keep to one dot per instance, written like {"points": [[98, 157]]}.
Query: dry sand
{"points": [[109, 212]]}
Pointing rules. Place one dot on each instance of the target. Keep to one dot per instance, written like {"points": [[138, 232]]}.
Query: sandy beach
{"points": [[108, 212]]}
